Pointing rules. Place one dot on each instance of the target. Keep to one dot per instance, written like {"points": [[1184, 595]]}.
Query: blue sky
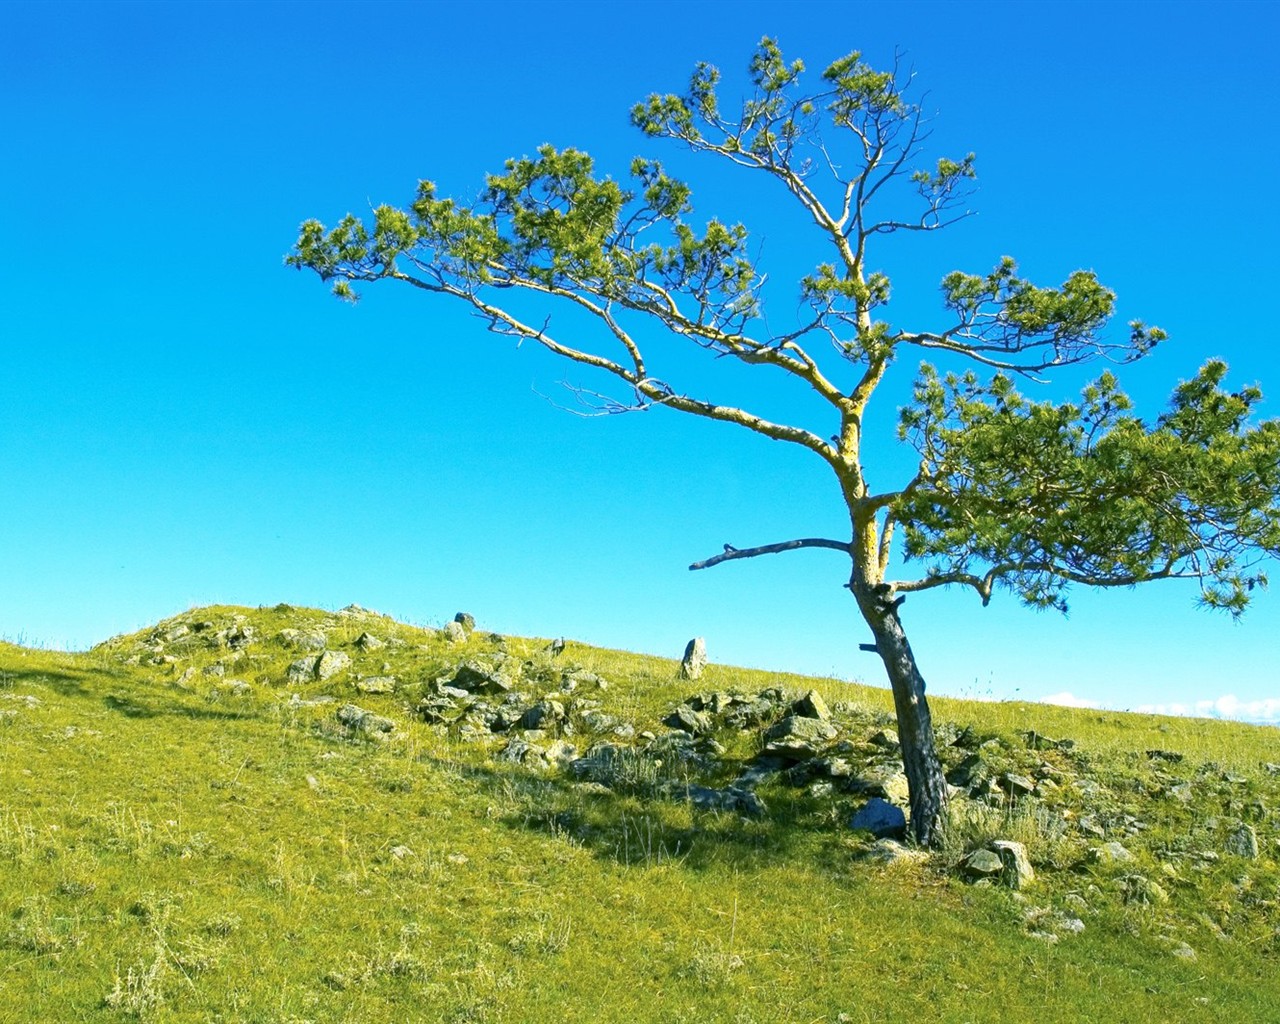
{"points": [[184, 421]]}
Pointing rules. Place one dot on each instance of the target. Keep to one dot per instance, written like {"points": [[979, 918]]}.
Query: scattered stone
{"points": [[1017, 866], [547, 714], [811, 705], [684, 718], [304, 640], [890, 851], [216, 669], [330, 663], [1169, 756], [598, 721], [882, 819], [477, 677], [969, 772], [886, 738], [1037, 742], [887, 781], [1109, 854], [1243, 842], [1016, 785], [982, 863], [1141, 889], [694, 660], [303, 670], [798, 738], [466, 620], [454, 633], [377, 684], [366, 641], [357, 719], [732, 799]]}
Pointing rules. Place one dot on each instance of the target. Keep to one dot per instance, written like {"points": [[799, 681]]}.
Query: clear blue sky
{"points": [[184, 421]]}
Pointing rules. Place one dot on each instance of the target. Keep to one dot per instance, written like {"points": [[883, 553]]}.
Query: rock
{"points": [[695, 659], [1141, 889], [890, 851], [357, 719], [518, 751], [882, 819], [695, 723], [477, 677], [1037, 742], [811, 705], [303, 670], [437, 710], [598, 721], [377, 684], [1109, 854], [1183, 951], [982, 863], [1169, 756], [1016, 785], [887, 781], [304, 640], [886, 738], [368, 642], [454, 633], [1017, 866], [798, 738], [731, 798], [330, 663], [969, 772], [466, 620], [176, 633], [547, 714], [1243, 842]]}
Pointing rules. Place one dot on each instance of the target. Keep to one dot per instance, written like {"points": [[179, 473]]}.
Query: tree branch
{"points": [[730, 553]]}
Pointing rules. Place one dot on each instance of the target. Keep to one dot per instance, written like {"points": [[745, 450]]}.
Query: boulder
{"points": [[731, 798], [330, 663], [303, 670], [454, 633], [982, 863], [881, 818], [694, 660], [886, 738], [547, 714], [1109, 854], [798, 738], [477, 677], [357, 719], [1017, 866], [366, 641], [466, 620], [811, 705], [684, 718]]}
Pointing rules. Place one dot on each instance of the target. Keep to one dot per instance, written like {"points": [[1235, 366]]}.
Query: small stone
{"points": [[1110, 853], [1017, 866], [811, 705], [401, 852], [1141, 889], [330, 663], [546, 714], [368, 642], [886, 738], [358, 719], [1017, 785], [882, 819], [695, 723], [1243, 842], [968, 772], [694, 660], [377, 684], [798, 738], [1183, 951], [454, 633], [303, 670], [982, 864]]}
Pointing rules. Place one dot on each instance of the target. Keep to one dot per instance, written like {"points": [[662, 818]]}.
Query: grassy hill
{"points": [[287, 815]]}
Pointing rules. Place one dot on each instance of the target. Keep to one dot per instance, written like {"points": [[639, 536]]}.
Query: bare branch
{"points": [[730, 552]]}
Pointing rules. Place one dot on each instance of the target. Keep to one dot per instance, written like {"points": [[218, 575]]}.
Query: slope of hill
{"points": [[287, 815]]}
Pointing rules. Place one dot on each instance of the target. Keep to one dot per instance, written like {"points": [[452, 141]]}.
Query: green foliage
{"points": [[1034, 496]]}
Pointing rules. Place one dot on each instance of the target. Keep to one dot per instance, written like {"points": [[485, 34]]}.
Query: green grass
{"points": [[171, 850]]}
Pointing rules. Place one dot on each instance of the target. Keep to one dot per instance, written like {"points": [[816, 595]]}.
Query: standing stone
{"points": [[466, 620], [695, 659], [811, 705], [1017, 866], [366, 641], [454, 632], [330, 663]]}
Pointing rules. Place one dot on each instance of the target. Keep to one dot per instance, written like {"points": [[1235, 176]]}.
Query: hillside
{"points": [[287, 815]]}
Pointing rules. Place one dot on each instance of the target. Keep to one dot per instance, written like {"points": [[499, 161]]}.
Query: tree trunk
{"points": [[928, 786]]}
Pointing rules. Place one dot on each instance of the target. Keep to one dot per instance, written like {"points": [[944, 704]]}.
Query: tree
{"points": [[1010, 493]]}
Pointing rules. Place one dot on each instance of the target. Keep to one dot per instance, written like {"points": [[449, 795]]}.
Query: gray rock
{"points": [[684, 718], [368, 642], [1017, 866], [547, 714], [982, 863], [732, 799], [881, 818], [969, 772], [1140, 889], [480, 678], [811, 705], [890, 851], [1017, 785], [1243, 842], [598, 721], [437, 710], [886, 781], [304, 640], [454, 633], [466, 620], [303, 670], [330, 663], [798, 738], [377, 684], [357, 719], [695, 659], [1109, 854], [886, 738]]}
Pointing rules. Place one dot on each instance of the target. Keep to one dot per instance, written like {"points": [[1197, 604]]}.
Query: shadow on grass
{"points": [[647, 829], [131, 707]]}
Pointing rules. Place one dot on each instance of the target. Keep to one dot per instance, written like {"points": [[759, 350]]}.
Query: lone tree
{"points": [[1010, 493]]}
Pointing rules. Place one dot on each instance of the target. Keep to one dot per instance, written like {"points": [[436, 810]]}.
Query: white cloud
{"points": [[1227, 706], [1067, 699]]}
